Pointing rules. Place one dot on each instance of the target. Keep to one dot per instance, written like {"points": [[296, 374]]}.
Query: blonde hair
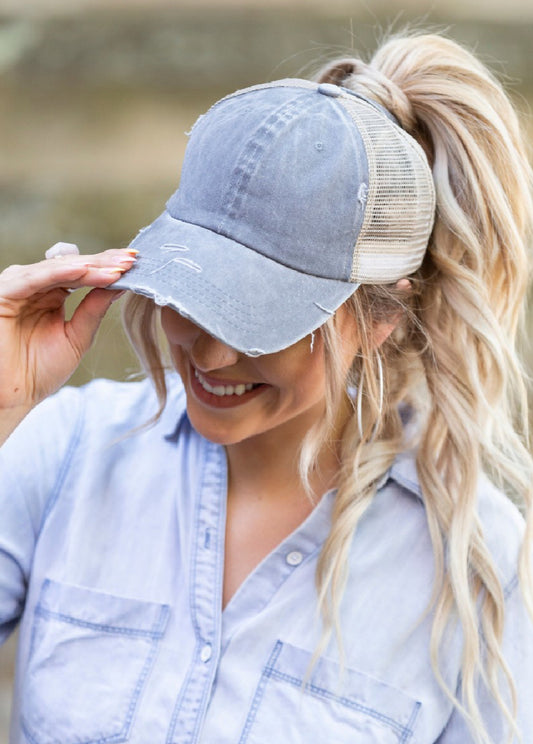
{"points": [[451, 359]]}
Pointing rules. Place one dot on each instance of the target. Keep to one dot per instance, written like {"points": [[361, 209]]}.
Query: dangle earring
{"points": [[359, 405], [381, 395], [381, 389]]}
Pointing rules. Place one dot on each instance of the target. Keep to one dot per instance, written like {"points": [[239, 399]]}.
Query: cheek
{"points": [[180, 336], [176, 328], [301, 372], [316, 377]]}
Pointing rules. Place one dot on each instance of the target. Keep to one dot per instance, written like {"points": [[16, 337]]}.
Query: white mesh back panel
{"points": [[400, 202]]}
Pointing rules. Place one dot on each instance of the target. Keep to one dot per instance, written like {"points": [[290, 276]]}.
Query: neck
{"points": [[267, 465]]}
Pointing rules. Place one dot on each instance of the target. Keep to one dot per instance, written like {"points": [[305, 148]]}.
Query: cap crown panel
{"points": [[269, 161]]}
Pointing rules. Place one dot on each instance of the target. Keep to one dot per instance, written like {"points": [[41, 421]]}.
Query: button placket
{"points": [[258, 589], [206, 603], [206, 652]]}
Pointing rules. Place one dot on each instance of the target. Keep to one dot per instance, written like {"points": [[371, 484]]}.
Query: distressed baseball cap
{"points": [[292, 194]]}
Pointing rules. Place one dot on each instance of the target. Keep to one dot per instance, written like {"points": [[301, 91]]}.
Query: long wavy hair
{"points": [[452, 359]]}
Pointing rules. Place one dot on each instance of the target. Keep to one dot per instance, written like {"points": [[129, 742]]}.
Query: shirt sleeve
{"points": [[33, 461], [518, 654]]}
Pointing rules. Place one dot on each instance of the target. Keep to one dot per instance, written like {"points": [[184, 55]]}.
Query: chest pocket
{"points": [[332, 706], [90, 656]]}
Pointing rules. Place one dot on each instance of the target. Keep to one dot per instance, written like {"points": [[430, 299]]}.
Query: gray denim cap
{"points": [[292, 194]]}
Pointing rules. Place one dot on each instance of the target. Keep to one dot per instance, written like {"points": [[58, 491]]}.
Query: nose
{"points": [[208, 353]]}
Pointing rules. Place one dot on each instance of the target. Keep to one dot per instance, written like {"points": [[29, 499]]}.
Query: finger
{"points": [[109, 258], [87, 317], [100, 270]]}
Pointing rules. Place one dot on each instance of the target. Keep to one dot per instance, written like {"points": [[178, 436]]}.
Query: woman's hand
{"points": [[39, 349]]}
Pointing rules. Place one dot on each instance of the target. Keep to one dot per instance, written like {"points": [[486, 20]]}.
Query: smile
{"points": [[222, 390]]}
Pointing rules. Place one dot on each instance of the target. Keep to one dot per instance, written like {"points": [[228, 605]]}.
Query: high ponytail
{"points": [[451, 360], [457, 340]]}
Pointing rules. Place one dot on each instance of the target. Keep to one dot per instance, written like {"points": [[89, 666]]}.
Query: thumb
{"points": [[82, 327]]}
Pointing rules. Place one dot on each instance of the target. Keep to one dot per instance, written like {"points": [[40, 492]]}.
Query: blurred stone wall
{"points": [[96, 97], [94, 105]]}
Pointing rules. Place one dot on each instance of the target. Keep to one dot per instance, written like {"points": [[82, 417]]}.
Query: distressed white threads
{"points": [[324, 309], [175, 247]]}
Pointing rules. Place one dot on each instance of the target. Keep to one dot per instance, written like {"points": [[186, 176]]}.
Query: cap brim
{"points": [[239, 296]]}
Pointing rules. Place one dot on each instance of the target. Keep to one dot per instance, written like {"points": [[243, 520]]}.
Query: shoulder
{"points": [[503, 528], [96, 414], [109, 406], [79, 434], [499, 519]]}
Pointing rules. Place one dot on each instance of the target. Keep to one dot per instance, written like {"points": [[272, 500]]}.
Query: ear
{"points": [[346, 327], [383, 330]]}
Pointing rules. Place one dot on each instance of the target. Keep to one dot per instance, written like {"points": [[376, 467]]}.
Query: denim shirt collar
{"points": [[402, 471]]}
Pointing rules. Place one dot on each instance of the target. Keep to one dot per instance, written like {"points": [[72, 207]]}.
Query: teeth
{"points": [[221, 390]]}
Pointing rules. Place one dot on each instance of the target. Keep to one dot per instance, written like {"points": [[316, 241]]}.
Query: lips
{"points": [[221, 389], [222, 393]]}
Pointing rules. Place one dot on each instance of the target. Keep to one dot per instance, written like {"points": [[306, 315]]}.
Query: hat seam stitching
{"points": [[248, 159]]}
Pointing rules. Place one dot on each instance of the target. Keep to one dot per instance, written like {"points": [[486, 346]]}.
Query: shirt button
{"points": [[294, 558], [206, 652]]}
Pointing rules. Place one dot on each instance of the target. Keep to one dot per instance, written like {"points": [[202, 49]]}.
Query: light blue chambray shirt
{"points": [[111, 558]]}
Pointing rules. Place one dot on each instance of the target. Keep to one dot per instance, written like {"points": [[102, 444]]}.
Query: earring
{"points": [[381, 393], [358, 406]]}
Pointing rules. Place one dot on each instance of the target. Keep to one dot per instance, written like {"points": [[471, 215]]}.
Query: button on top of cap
{"points": [[328, 89]]}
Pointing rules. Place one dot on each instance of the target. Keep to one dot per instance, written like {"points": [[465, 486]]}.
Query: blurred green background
{"points": [[96, 98]]}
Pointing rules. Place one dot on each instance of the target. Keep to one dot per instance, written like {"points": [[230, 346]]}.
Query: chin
{"points": [[218, 432]]}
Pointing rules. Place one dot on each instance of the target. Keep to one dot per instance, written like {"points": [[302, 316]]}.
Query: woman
{"points": [[314, 538]]}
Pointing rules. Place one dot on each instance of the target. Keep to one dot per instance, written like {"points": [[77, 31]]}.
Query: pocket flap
{"points": [[97, 609], [349, 688]]}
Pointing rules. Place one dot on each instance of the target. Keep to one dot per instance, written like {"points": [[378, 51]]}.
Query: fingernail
{"points": [[112, 272], [125, 260], [133, 251]]}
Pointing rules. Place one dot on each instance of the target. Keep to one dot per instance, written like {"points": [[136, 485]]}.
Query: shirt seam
{"points": [[510, 587], [74, 441]]}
